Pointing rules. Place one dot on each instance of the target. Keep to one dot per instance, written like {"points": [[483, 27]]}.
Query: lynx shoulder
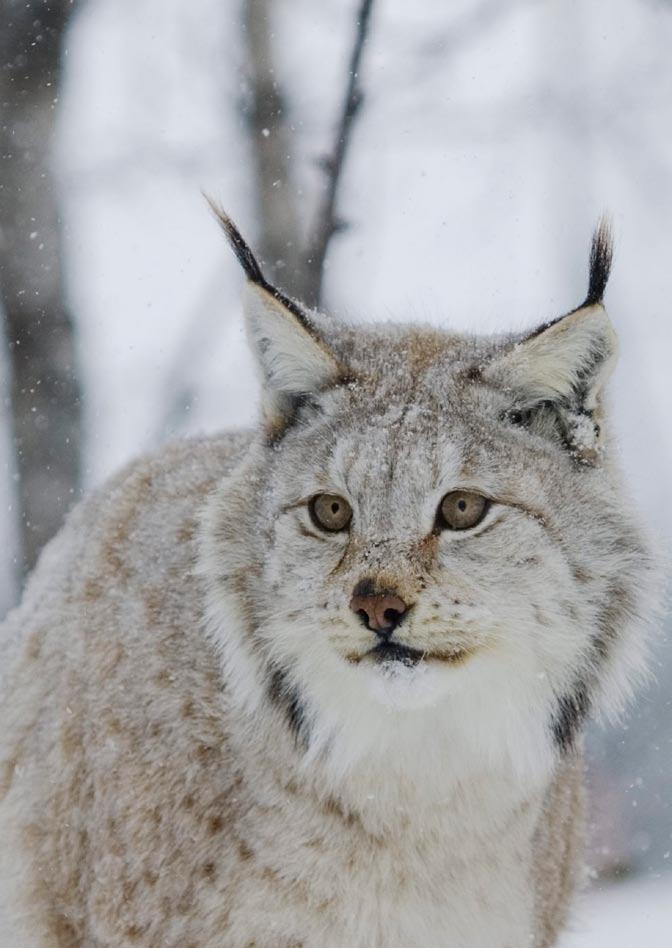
{"points": [[324, 683]]}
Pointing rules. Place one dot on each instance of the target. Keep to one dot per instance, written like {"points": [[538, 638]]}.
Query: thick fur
{"points": [[196, 748]]}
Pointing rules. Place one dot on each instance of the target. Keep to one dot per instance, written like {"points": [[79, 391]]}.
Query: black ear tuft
{"points": [[246, 258], [601, 254], [253, 271]]}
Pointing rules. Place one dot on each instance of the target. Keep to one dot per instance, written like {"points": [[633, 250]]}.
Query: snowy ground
{"points": [[624, 915]]}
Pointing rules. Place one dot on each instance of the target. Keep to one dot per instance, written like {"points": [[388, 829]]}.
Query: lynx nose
{"points": [[381, 613]]}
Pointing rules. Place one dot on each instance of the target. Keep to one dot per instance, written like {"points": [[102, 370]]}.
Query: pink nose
{"points": [[382, 614]]}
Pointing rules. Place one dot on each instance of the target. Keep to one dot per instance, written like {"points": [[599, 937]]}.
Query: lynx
{"points": [[323, 683]]}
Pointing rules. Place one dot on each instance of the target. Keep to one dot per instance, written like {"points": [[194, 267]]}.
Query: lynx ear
{"points": [[566, 363], [293, 359]]}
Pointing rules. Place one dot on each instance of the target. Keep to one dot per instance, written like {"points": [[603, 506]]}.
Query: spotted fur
{"points": [[196, 746]]}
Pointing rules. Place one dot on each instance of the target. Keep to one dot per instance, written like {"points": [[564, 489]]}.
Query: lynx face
{"points": [[430, 533]]}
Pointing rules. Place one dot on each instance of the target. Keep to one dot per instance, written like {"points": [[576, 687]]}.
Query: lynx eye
{"points": [[462, 509], [330, 512]]}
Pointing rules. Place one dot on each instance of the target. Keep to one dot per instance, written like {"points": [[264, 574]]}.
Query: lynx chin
{"points": [[323, 684]]}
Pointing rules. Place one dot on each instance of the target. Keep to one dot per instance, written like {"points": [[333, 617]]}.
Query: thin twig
{"points": [[327, 224]]}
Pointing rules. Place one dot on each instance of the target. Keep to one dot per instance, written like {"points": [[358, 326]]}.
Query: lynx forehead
{"points": [[322, 684]]}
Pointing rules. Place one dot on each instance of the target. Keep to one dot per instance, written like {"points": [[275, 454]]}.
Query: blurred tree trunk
{"points": [[45, 392], [265, 112]]}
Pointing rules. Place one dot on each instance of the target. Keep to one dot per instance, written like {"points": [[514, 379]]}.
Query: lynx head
{"points": [[428, 535]]}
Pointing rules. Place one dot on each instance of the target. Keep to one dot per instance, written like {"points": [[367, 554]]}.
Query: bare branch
{"points": [[327, 224]]}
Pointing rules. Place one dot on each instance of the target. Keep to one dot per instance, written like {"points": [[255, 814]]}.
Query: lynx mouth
{"points": [[395, 652], [386, 652]]}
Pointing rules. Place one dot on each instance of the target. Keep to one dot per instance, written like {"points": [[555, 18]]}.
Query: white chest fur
{"points": [[386, 871]]}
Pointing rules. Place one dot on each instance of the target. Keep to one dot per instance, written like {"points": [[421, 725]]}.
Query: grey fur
{"points": [[196, 747]]}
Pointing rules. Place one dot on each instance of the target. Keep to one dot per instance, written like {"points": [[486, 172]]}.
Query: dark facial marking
{"points": [[287, 697], [569, 716], [365, 587], [618, 608], [309, 533], [473, 374]]}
